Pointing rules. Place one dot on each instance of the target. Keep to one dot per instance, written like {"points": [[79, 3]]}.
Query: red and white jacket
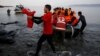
{"points": [[60, 23]]}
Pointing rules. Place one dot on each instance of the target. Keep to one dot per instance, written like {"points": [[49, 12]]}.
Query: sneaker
{"points": [[30, 53], [66, 53]]}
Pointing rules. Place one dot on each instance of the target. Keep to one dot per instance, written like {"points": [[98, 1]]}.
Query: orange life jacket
{"points": [[61, 23], [68, 19], [75, 22]]}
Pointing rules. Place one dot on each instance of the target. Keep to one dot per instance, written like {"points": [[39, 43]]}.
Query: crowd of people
{"points": [[67, 14], [58, 20]]}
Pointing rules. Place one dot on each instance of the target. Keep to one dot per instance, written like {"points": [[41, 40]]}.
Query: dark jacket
{"points": [[83, 20]]}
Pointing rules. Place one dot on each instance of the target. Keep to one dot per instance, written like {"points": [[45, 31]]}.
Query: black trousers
{"points": [[41, 40], [82, 27]]}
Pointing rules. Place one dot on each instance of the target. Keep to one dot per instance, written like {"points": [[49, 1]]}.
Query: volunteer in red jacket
{"points": [[47, 30], [61, 26]]}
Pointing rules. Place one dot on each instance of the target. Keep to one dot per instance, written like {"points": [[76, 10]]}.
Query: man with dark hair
{"points": [[48, 6], [83, 20], [47, 29], [70, 9]]}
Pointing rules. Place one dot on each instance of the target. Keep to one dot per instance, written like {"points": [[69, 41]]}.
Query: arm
{"points": [[79, 20], [46, 17], [37, 17], [72, 20], [37, 20]]}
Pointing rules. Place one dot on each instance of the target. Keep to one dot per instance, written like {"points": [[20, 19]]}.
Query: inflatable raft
{"points": [[71, 32]]}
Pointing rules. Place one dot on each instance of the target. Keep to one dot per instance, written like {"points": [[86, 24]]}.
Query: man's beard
{"points": [[45, 11]]}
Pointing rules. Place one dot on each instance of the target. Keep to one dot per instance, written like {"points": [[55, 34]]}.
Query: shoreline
{"points": [[1, 6]]}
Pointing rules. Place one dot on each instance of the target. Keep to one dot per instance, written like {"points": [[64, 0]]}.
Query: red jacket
{"points": [[47, 22], [75, 21], [29, 20], [61, 23], [54, 19]]}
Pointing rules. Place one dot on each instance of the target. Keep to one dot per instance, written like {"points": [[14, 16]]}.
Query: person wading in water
{"points": [[47, 29], [8, 12], [83, 20]]}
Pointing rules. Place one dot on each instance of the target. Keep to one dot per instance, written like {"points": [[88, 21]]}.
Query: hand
{"points": [[22, 8]]}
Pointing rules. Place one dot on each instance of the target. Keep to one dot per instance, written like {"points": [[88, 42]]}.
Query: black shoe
{"points": [[1, 50], [36, 55], [54, 51], [31, 54]]}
